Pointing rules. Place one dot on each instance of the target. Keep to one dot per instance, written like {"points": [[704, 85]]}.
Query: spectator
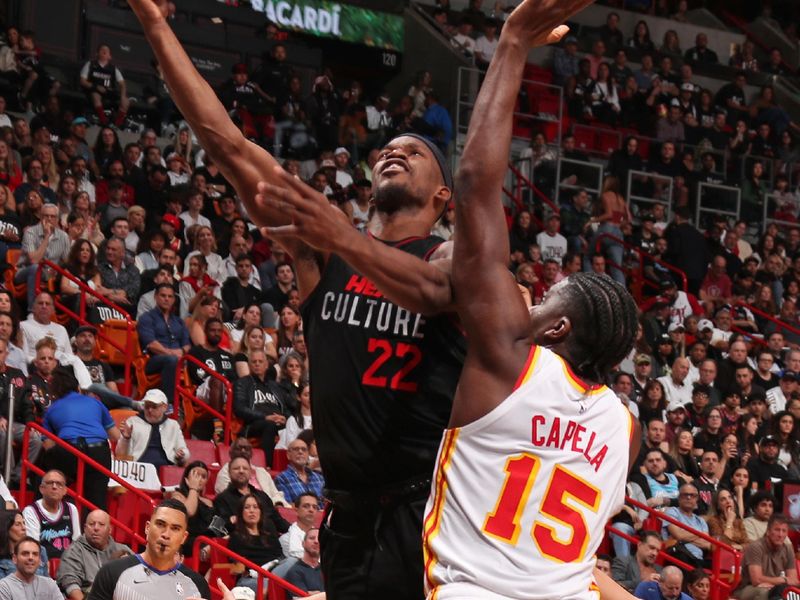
{"points": [[103, 83], [44, 241], [486, 44], [438, 125], [104, 383], [640, 41], [199, 508], [724, 524], [307, 506], [52, 520], [194, 205], [565, 61], [692, 545], [164, 337], [12, 379], [120, 282], [227, 502], [83, 559], [37, 393], [551, 242], [306, 574], [34, 181], [12, 530], [761, 505], [701, 53], [630, 571], [298, 477], [765, 468], [767, 562], [239, 291], [778, 396], [708, 483], [668, 587], [261, 402], [27, 559], [300, 418], [462, 40], [676, 387], [153, 437], [610, 33], [85, 424], [260, 478], [731, 97]]}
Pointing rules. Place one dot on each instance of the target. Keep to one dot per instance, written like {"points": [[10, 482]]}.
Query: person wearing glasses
{"points": [[692, 544], [43, 241], [298, 478], [52, 520]]}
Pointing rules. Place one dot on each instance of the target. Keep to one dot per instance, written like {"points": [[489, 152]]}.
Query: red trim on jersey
{"points": [[431, 251], [585, 387], [399, 243], [526, 368]]}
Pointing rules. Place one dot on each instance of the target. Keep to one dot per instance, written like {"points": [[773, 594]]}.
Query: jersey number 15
{"points": [[563, 489]]}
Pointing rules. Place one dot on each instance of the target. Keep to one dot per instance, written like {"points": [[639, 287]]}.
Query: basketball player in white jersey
{"points": [[535, 460]]}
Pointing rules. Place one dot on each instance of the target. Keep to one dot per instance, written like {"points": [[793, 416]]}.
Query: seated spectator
{"points": [[81, 264], [678, 390], [104, 384], [147, 301], [260, 478], [227, 502], [14, 379], [261, 403], [724, 523], [565, 61], [27, 558], [52, 520], [707, 483], [255, 534], [164, 337], [278, 294], [630, 571], [768, 562], [306, 574], [298, 477], [307, 506], [12, 530], [692, 546], [85, 424], [300, 418], [153, 437], [682, 452], [43, 241], [783, 428], [765, 468], [83, 559], [197, 284], [701, 53], [668, 587], [710, 437], [119, 281], [37, 394], [205, 245], [762, 505], [104, 85], [199, 509], [698, 584], [239, 292]]}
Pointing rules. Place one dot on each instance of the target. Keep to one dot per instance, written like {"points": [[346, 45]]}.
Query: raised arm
{"points": [[492, 309], [243, 163]]}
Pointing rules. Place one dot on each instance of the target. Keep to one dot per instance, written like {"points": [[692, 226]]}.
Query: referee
{"points": [[85, 423], [156, 572]]}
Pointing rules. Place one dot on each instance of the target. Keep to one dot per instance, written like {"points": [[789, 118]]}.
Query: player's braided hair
{"points": [[604, 324]]}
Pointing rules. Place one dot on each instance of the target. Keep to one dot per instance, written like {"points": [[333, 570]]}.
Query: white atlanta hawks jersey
{"points": [[521, 496]]}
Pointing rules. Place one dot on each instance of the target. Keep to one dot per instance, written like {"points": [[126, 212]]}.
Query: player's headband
{"points": [[447, 175]]}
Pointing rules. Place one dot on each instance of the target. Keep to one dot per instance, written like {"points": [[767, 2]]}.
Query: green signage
{"points": [[343, 22]]}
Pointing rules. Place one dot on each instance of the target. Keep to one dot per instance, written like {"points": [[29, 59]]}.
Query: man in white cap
{"points": [[152, 437], [342, 159]]}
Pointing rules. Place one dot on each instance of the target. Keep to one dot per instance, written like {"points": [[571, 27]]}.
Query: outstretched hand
{"points": [[541, 22], [314, 220]]}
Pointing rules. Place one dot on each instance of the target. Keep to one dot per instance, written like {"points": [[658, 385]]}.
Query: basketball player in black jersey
{"points": [[383, 376]]}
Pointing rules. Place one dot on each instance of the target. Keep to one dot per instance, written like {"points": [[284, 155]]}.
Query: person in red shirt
{"points": [[550, 270], [716, 288]]}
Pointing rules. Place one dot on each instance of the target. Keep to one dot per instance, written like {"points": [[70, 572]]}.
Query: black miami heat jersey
{"points": [[382, 378]]}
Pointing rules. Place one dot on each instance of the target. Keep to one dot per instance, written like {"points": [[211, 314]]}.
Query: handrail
{"points": [[780, 324], [128, 351], [642, 257], [79, 479], [180, 391], [528, 183], [261, 572], [717, 591]]}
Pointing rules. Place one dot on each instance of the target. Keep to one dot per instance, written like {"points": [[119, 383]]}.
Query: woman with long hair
{"points": [[612, 214], [65, 194], [740, 486], [747, 433], [107, 149], [12, 530], [754, 192], [724, 523], [671, 44], [681, 449], [256, 532], [206, 244], [199, 509], [251, 315], [653, 403], [30, 213], [698, 584], [82, 263], [44, 154], [291, 373], [300, 418], [182, 145], [710, 437], [522, 233], [289, 322], [208, 307], [640, 41], [605, 96], [252, 338], [783, 427], [765, 302], [10, 171]]}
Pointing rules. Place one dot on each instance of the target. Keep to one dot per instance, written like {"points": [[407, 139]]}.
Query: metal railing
{"points": [[277, 588], [780, 326], [639, 191], [522, 183], [709, 202], [720, 588], [183, 392], [77, 491], [579, 175], [642, 256], [769, 209], [128, 351]]}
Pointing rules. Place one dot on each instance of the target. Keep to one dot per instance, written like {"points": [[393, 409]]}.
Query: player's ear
{"points": [[441, 198], [558, 331]]}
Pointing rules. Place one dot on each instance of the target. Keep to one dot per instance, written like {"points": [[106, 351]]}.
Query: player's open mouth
{"points": [[394, 165]]}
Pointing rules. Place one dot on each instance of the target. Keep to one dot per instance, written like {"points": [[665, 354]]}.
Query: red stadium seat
{"points": [[279, 459], [224, 452], [170, 475], [608, 141], [585, 139], [288, 513], [202, 450]]}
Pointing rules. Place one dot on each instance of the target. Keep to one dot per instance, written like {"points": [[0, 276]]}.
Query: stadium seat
{"points": [[608, 141], [116, 331], [202, 450], [585, 139], [280, 459], [224, 455], [288, 513], [170, 475]]}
